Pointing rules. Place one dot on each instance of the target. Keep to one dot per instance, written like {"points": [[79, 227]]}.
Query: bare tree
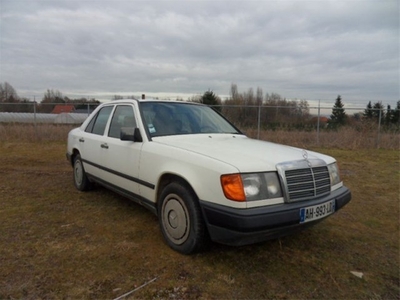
{"points": [[234, 92], [8, 93], [117, 97], [50, 99], [259, 96]]}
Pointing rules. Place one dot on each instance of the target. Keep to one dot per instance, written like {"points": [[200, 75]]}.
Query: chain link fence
{"points": [[260, 122], [32, 112]]}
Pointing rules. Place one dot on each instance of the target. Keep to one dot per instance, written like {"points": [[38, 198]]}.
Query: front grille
{"points": [[307, 183]]}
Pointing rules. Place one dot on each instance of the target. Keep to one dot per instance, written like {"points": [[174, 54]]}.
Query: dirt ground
{"points": [[57, 242]]}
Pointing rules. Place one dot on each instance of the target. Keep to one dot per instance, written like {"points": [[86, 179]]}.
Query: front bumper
{"points": [[237, 227]]}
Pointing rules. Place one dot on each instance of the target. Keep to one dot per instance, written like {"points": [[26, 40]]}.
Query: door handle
{"points": [[82, 140], [105, 146]]}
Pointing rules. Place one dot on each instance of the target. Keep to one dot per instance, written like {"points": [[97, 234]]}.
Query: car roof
{"points": [[150, 100]]}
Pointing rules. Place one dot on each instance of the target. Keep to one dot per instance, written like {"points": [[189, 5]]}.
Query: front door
{"points": [[121, 158]]}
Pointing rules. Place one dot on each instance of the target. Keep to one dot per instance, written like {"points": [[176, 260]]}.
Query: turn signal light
{"points": [[232, 186]]}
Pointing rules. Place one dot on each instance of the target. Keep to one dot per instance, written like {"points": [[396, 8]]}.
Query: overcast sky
{"points": [[299, 49]]}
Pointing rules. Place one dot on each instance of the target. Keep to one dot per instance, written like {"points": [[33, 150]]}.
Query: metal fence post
{"points": [[34, 111], [379, 129], [318, 120], [259, 122], [34, 116]]}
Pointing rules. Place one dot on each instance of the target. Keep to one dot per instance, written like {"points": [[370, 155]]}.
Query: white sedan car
{"points": [[200, 175]]}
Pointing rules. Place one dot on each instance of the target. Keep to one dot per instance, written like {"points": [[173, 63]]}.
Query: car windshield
{"points": [[163, 118]]}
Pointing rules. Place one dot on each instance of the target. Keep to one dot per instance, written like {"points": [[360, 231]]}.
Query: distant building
{"points": [[84, 110], [323, 121], [58, 109]]}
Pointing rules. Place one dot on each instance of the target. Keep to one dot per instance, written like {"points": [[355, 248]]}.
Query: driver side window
{"points": [[123, 117]]}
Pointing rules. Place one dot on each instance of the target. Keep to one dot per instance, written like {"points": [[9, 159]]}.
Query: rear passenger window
{"points": [[98, 123], [123, 117]]}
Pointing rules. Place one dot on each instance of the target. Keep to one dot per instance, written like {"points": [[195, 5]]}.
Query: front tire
{"points": [[81, 181], [180, 218]]}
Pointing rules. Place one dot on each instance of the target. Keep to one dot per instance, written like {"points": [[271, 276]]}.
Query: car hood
{"points": [[246, 154]]}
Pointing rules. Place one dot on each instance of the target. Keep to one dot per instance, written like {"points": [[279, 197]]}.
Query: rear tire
{"points": [[81, 181], [181, 220]]}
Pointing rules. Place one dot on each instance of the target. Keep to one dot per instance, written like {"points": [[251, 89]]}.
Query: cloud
{"points": [[299, 49]]}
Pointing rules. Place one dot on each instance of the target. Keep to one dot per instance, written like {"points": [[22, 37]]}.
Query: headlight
{"points": [[251, 187], [334, 173]]}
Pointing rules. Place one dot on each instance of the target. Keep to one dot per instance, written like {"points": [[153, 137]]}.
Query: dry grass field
{"points": [[57, 242], [347, 138]]}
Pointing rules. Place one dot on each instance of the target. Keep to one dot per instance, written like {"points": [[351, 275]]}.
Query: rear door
{"points": [[93, 140]]}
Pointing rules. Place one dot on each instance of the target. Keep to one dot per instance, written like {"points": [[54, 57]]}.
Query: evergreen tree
{"points": [[338, 116], [396, 114], [378, 110], [368, 112], [209, 98], [388, 118]]}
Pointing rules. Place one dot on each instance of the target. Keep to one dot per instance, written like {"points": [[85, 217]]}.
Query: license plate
{"points": [[316, 212]]}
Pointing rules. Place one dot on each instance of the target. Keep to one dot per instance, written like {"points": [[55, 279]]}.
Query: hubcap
{"points": [[78, 173], [175, 219]]}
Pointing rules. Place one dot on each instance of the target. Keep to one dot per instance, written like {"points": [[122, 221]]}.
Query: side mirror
{"points": [[131, 134]]}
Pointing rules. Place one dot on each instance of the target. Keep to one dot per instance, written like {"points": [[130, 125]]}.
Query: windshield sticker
{"points": [[151, 128]]}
